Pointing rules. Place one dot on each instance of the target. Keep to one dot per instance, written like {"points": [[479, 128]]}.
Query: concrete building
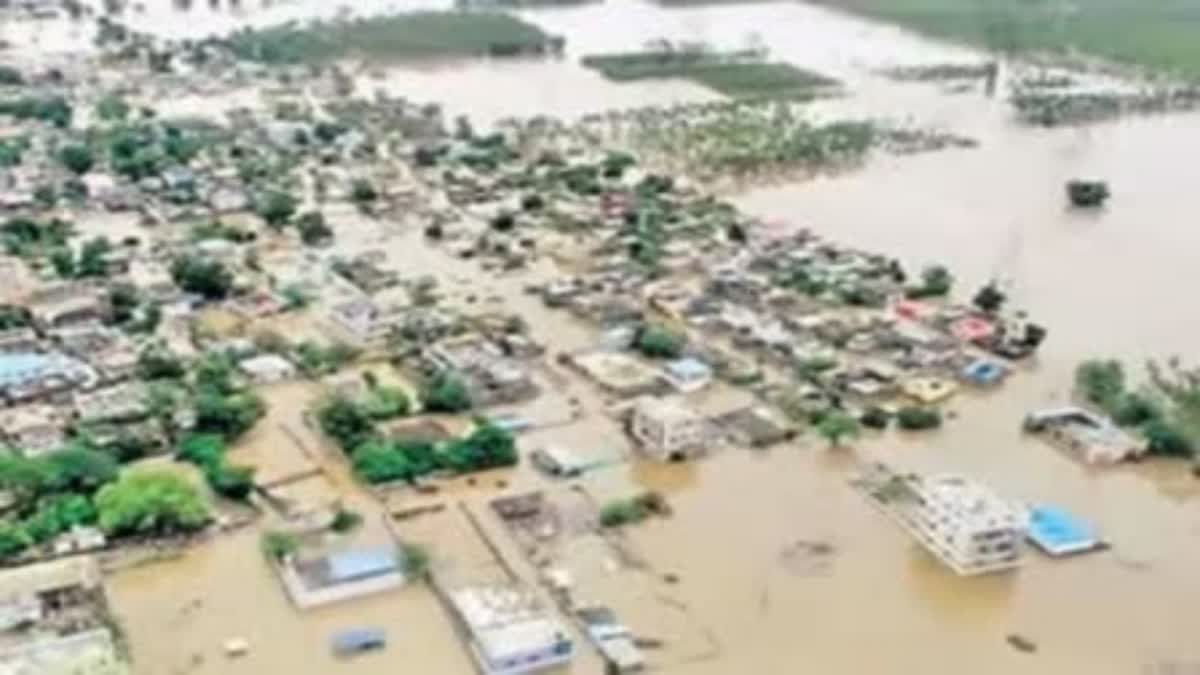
{"points": [[967, 525], [65, 304], [34, 430], [666, 429], [122, 402], [268, 368], [366, 323], [688, 374], [509, 632], [28, 376], [1088, 436], [961, 522], [341, 575]]}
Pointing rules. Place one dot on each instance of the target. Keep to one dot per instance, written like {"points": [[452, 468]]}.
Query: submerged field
{"points": [[408, 35], [1157, 35]]}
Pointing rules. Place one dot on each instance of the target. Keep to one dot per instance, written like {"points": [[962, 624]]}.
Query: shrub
{"points": [[345, 521], [277, 546], [917, 418], [875, 418]]}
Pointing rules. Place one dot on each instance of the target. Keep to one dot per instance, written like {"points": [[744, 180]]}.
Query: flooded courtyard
{"points": [[1111, 283]]}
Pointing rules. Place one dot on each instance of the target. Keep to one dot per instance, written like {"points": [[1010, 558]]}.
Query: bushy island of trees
{"points": [[353, 425], [82, 486], [1166, 411]]}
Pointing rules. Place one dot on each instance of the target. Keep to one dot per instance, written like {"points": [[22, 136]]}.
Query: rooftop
{"points": [[507, 621]]}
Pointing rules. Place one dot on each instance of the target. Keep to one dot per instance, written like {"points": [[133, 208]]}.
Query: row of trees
{"points": [[837, 426], [381, 460], [353, 425]]}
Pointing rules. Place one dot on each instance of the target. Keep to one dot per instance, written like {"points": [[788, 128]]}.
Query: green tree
{"points": [[380, 462], [345, 520], [277, 546], [230, 481], [1167, 440], [23, 479], [46, 196], [122, 301], [1101, 382], [313, 228], [63, 262], [327, 132], [78, 158], [918, 418], [936, 282], [659, 342], [363, 193], [276, 208], [93, 258], [11, 76], [990, 298], [14, 540], [71, 510], [385, 403], [416, 561], [345, 422], [836, 427], [160, 364], [151, 502], [80, 469], [208, 278], [180, 146], [229, 415], [445, 392]]}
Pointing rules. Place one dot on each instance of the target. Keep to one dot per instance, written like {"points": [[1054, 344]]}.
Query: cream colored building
{"points": [[666, 429]]}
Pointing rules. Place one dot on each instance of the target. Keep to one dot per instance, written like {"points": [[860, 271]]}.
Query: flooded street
{"points": [[1106, 283]]}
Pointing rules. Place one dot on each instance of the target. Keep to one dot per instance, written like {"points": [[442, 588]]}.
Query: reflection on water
{"points": [[1116, 282]]}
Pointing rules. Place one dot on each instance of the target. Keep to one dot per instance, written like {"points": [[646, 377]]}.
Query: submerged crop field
{"points": [[739, 74], [408, 35], [1161, 36]]}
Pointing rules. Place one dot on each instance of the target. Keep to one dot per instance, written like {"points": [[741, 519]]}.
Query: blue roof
{"points": [[984, 371], [16, 367], [1057, 531], [688, 367], [348, 565]]}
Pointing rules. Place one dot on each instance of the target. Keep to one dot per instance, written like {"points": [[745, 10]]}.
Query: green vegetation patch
{"points": [[1157, 35], [409, 35], [739, 74]]}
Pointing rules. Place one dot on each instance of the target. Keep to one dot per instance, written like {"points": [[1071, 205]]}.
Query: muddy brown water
{"points": [[1115, 282]]}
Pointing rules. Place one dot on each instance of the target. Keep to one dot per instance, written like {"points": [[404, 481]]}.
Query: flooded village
{"points": [[589, 337]]}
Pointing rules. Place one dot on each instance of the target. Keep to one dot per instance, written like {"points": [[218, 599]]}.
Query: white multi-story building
{"points": [[509, 631], [666, 429], [963, 523]]}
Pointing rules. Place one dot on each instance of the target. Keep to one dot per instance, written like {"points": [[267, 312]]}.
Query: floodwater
{"points": [[1110, 283]]}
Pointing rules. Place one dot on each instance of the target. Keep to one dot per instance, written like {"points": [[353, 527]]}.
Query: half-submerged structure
{"points": [[961, 522]]}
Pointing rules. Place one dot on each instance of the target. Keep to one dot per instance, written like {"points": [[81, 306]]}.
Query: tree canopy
{"points": [[836, 427], [208, 278], [445, 392], [276, 208], [659, 342], [151, 502], [78, 158]]}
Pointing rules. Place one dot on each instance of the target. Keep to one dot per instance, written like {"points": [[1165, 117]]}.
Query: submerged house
{"points": [[509, 632], [1087, 435], [312, 581]]}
